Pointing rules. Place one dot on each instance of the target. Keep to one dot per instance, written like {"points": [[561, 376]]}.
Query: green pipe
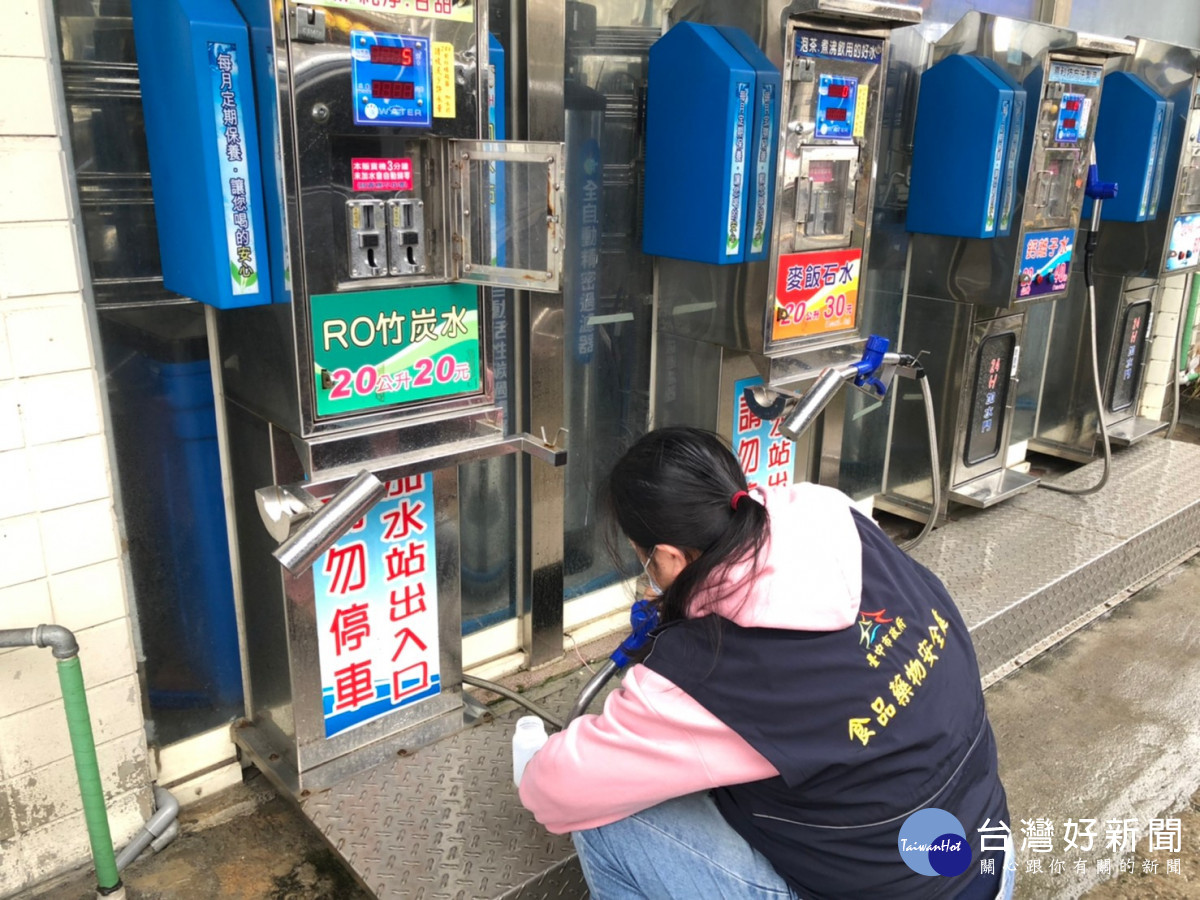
{"points": [[1189, 325], [83, 746]]}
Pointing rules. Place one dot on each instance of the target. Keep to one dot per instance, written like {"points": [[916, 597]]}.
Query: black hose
{"points": [[1090, 248], [515, 698], [591, 689]]}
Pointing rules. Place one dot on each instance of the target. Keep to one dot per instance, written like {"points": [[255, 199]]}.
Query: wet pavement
{"points": [[1101, 728]]}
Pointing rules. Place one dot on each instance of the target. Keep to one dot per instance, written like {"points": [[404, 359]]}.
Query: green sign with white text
{"points": [[378, 349]]}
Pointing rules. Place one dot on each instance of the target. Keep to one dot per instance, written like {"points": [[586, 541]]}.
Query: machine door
{"points": [[825, 193], [508, 204]]}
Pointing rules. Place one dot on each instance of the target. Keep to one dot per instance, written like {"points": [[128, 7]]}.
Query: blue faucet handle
{"points": [[877, 344], [643, 619], [879, 386], [1097, 189], [871, 363]]}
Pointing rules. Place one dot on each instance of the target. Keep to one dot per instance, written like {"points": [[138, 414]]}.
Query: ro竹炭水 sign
{"points": [[376, 349], [1046, 262]]}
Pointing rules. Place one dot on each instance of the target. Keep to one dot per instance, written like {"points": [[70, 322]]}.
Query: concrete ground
{"points": [[1101, 728], [247, 843], [1104, 726]]}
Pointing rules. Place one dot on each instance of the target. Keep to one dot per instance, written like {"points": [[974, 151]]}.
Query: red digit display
{"points": [[1133, 332], [1072, 105], [842, 91], [391, 56], [835, 115], [392, 90]]}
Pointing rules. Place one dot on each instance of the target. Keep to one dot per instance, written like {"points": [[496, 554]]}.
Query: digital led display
{"points": [[836, 98], [392, 79], [385, 55], [990, 397], [1070, 112], [1127, 365], [392, 90]]}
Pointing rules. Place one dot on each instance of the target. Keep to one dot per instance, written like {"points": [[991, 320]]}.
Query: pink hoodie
{"points": [[654, 742]]}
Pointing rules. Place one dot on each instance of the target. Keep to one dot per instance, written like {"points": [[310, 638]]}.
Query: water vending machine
{"points": [[763, 223], [1005, 121], [320, 182], [1148, 140]]}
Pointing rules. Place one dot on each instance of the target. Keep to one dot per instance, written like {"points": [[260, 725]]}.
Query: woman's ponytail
{"points": [[683, 487]]}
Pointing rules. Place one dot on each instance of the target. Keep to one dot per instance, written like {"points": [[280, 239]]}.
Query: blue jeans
{"points": [[684, 849]]}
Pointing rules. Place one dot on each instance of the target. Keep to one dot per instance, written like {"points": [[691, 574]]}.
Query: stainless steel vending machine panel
{"points": [[1133, 261], [1061, 76], [351, 400], [993, 279], [780, 321]]}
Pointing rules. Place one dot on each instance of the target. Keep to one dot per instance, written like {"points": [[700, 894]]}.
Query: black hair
{"points": [[675, 486]]}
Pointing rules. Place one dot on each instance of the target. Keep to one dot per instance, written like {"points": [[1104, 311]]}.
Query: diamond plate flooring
{"points": [[1025, 569], [445, 822]]}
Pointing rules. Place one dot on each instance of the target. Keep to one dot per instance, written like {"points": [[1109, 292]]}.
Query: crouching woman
{"points": [[811, 704]]}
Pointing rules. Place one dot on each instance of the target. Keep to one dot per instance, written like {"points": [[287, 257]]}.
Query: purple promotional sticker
{"points": [[1045, 263]]}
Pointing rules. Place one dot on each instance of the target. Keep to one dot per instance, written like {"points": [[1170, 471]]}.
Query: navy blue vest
{"points": [[865, 726]]}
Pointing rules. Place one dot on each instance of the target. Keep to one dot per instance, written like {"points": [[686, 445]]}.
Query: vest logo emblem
{"points": [[869, 626]]}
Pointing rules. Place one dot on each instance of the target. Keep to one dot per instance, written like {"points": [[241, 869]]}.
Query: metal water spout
{"points": [[320, 524]]}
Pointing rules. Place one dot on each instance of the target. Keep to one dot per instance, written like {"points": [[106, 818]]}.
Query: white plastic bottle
{"points": [[527, 740]]}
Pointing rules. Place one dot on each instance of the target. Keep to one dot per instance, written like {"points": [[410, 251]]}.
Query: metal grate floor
{"points": [[445, 821], [1022, 571]]}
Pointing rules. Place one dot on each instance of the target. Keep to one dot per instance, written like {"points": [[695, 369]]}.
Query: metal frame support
{"points": [[542, 487], [1054, 12]]}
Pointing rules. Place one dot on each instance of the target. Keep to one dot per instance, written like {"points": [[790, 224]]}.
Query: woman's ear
{"points": [[669, 561]]}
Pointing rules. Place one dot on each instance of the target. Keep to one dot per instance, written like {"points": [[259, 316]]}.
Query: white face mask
{"points": [[654, 588]]}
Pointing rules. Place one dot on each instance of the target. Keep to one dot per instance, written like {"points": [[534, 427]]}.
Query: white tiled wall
{"points": [[1158, 395], [59, 552]]}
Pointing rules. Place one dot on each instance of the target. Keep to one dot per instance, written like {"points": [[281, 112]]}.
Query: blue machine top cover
{"points": [[1133, 130], [700, 140], [964, 149], [195, 65]]}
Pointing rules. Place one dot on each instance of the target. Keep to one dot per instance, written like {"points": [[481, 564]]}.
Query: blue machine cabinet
{"points": [[195, 63], [760, 202], [1133, 132], [970, 119], [711, 135]]}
